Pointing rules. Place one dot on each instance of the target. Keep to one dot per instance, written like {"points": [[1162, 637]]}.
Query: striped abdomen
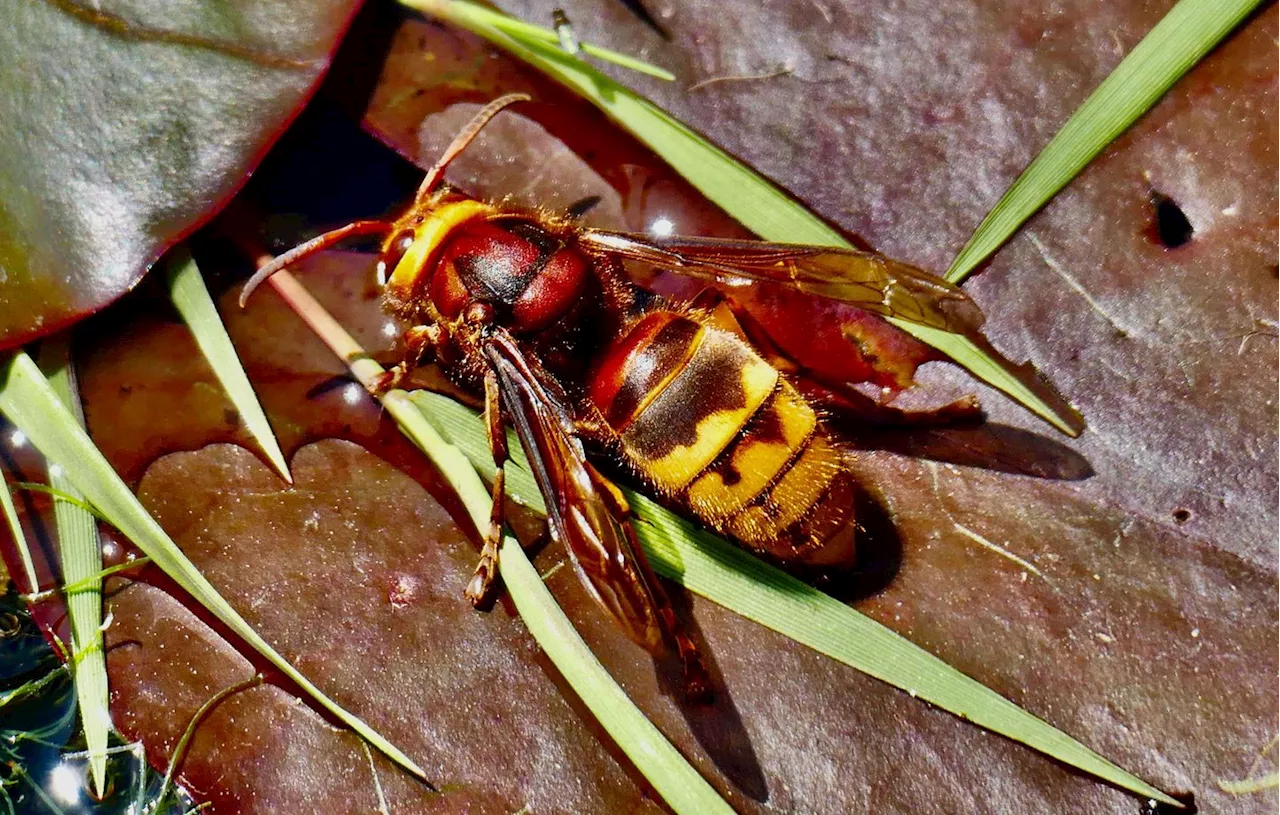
{"points": [[713, 426]]}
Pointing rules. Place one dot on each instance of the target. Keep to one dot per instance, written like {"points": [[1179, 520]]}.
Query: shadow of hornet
{"points": [[717, 725], [989, 446]]}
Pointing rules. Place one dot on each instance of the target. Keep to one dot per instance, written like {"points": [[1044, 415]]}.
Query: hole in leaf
{"points": [[1171, 227], [1181, 516]]}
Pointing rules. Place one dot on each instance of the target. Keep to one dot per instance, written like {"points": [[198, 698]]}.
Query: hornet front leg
{"points": [[420, 342]]}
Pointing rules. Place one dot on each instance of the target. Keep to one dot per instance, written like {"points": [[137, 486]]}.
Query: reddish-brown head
{"points": [[462, 252], [528, 275]]}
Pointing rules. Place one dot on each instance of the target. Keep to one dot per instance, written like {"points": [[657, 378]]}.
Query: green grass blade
{"points": [[87, 582], [81, 559], [679, 784], [180, 749], [754, 201], [31, 405], [519, 29], [1021, 382], [191, 297], [61, 495], [1190, 30], [19, 538], [741, 582], [630, 63]]}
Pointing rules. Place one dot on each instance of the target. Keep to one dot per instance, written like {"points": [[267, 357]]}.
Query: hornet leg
{"points": [[418, 342], [483, 583]]}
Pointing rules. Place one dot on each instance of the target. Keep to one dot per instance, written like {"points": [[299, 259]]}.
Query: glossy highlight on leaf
{"points": [[126, 126]]}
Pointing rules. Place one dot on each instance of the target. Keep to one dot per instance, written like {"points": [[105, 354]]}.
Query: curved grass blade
{"points": [[180, 749], [31, 405], [741, 582], [1190, 30], [19, 538], [83, 583], [191, 298], [61, 495], [679, 784], [80, 553], [751, 199]]}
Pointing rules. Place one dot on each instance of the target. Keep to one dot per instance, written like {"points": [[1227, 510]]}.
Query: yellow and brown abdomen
{"points": [[713, 426]]}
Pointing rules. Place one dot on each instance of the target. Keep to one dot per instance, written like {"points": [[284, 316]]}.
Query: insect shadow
{"points": [[990, 446], [716, 725]]}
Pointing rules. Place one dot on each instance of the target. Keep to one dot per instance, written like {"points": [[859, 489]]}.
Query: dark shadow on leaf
{"points": [[990, 446], [879, 554], [582, 206], [637, 8], [716, 725], [357, 65], [1153, 807], [331, 384], [326, 171]]}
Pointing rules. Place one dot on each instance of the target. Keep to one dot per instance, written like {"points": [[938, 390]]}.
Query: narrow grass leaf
{"points": [[180, 749], [744, 194], [192, 299], [31, 405], [19, 538], [80, 554], [80, 585], [1190, 30], [61, 495], [1021, 382], [754, 201], [32, 687], [741, 582], [679, 784], [521, 30]]}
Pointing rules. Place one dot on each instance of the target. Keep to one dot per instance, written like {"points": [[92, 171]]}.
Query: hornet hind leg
{"points": [[836, 398]]}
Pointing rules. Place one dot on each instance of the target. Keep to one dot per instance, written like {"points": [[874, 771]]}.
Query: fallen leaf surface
{"points": [[1122, 585], [471, 700], [127, 124]]}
